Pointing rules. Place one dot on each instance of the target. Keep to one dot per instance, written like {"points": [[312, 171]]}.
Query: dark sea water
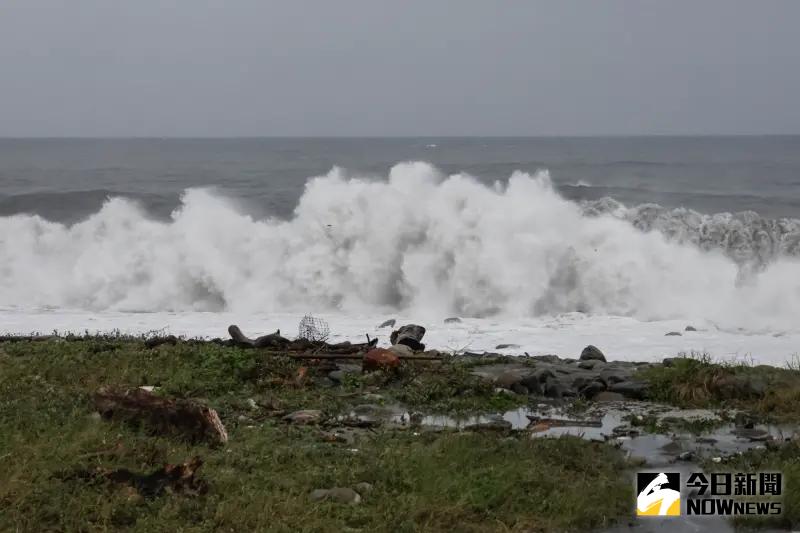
{"points": [[66, 180]]}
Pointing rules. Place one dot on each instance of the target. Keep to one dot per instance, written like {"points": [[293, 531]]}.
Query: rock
{"points": [[592, 353], [337, 494], [631, 389], [251, 403], [452, 320], [610, 377], [690, 328], [552, 359], [363, 487], [543, 375], [343, 370], [592, 389], [401, 350], [507, 380], [554, 390], [304, 416], [507, 346], [519, 388], [607, 396], [410, 335], [380, 359], [388, 324], [673, 334], [686, 456], [669, 361], [588, 364], [532, 385]]}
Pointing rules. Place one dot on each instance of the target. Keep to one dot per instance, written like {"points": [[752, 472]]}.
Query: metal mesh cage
{"points": [[313, 329]]}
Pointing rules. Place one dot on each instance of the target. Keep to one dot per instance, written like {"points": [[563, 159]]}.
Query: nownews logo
{"points": [[724, 494]]}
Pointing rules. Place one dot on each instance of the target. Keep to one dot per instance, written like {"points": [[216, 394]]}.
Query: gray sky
{"points": [[410, 67]]}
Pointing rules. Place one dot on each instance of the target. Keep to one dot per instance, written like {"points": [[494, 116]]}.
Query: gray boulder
{"points": [[410, 335], [592, 353]]}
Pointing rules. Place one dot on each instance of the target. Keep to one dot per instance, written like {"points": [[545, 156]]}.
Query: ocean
{"points": [[546, 243]]}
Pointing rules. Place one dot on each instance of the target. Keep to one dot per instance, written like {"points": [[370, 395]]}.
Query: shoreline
{"points": [[417, 439]]}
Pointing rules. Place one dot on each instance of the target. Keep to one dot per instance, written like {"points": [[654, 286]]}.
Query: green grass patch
{"points": [[260, 480], [695, 380]]}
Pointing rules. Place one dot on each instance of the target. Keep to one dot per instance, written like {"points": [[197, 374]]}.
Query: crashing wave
{"points": [[745, 237], [418, 240]]}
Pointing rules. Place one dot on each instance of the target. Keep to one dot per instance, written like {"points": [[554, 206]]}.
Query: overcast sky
{"points": [[399, 67]]}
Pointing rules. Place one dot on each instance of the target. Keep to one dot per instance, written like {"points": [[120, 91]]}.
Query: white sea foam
{"points": [[418, 242]]}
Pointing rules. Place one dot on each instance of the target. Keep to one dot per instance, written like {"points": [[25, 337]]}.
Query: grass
{"points": [[696, 380], [260, 480]]}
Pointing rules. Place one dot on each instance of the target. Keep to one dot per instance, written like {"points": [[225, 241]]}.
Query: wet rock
{"points": [[631, 389], [592, 389], [673, 334], [611, 377], [532, 385], [552, 359], [380, 359], [592, 353], [690, 328], [452, 320], [607, 396], [555, 390], [304, 416], [507, 346], [543, 375], [520, 389], [388, 324], [343, 495], [686, 456], [410, 335]]}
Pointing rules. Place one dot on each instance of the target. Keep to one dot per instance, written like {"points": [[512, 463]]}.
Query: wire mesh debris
{"points": [[313, 329]]}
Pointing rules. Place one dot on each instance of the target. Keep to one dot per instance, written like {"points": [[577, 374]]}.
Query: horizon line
{"points": [[427, 136]]}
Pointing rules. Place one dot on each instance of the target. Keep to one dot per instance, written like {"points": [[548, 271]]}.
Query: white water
{"points": [[420, 243]]}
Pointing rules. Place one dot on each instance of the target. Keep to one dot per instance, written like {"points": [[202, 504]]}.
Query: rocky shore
{"points": [[201, 435]]}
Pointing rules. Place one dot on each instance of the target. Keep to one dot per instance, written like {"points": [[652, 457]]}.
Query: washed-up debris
{"points": [[160, 414], [313, 329], [180, 478], [380, 359], [273, 340]]}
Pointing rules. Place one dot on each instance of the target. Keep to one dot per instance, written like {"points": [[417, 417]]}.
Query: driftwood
{"points": [[153, 342], [162, 415], [169, 478], [276, 342]]}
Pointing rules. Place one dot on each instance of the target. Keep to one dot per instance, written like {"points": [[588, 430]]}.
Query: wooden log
{"points": [[162, 415]]}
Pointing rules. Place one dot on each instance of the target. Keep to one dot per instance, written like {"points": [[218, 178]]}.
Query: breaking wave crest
{"points": [[417, 240]]}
